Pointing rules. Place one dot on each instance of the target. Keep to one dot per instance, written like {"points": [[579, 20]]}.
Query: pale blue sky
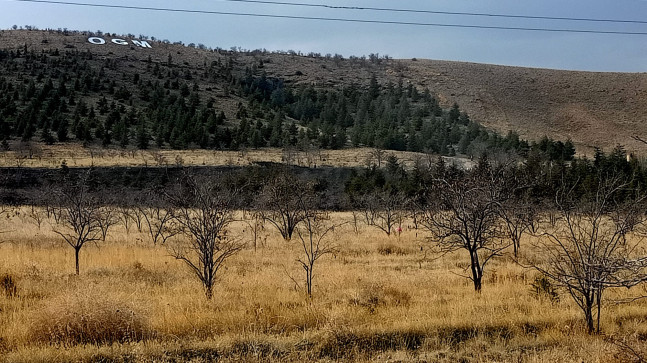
{"points": [[595, 52]]}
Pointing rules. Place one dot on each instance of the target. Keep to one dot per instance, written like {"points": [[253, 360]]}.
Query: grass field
{"points": [[39, 155], [379, 298]]}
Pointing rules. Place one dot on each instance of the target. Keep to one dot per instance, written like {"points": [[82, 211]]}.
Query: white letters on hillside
{"points": [[101, 41], [95, 40]]}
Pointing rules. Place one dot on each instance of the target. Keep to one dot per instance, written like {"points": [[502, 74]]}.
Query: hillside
{"points": [[582, 106]]}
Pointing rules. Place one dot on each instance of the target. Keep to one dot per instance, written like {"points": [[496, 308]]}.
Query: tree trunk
{"points": [[588, 316], [309, 281], [477, 272], [589, 323], [76, 255], [515, 246], [208, 291]]}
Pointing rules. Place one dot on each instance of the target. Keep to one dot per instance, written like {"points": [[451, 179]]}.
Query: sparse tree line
{"points": [[70, 95], [586, 218]]}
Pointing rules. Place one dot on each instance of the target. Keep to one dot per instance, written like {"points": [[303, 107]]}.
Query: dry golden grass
{"points": [[378, 299], [75, 155]]}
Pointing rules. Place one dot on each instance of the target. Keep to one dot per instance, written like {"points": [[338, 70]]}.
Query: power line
{"points": [[417, 11], [347, 20]]}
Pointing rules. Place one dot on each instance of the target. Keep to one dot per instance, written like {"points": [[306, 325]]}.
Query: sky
{"points": [[555, 50]]}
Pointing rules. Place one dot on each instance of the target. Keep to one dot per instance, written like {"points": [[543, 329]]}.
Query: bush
{"points": [[88, 319], [8, 285], [391, 249], [542, 287], [373, 296]]}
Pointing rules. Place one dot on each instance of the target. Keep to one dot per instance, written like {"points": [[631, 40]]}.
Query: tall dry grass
{"points": [[75, 155], [379, 298]]}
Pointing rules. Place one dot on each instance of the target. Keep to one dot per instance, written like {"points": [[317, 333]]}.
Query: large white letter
{"points": [[142, 43], [120, 41], [96, 40]]}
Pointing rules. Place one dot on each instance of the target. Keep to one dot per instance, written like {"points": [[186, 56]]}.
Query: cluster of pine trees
{"points": [[538, 178], [59, 96]]}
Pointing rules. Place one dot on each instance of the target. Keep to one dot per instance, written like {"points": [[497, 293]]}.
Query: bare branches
{"points": [[383, 210], [589, 249], [203, 212], [281, 201], [315, 237], [80, 216], [462, 213]]}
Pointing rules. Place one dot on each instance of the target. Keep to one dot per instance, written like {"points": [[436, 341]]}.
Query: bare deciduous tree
{"points": [[592, 247], [159, 222], [80, 216], [315, 237], [37, 215], [203, 211], [462, 213], [383, 210], [375, 157], [254, 220], [519, 215], [125, 215], [280, 202], [108, 218]]}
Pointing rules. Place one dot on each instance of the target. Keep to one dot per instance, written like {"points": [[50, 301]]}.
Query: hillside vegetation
{"points": [[177, 96]]}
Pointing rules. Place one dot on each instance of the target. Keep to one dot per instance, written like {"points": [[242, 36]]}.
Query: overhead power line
{"points": [[418, 11], [347, 20]]}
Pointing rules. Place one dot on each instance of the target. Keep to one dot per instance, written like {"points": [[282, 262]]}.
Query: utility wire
{"points": [[364, 21], [416, 11]]}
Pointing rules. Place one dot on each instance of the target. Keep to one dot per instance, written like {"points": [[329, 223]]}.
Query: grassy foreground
{"points": [[379, 299]]}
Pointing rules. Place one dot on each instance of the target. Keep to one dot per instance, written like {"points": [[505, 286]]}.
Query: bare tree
{"points": [[462, 213], [137, 216], [375, 157], [159, 222], [254, 220], [80, 216], [383, 210], [281, 201], [588, 250], [519, 214], [37, 215], [203, 211], [316, 240], [125, 215], [107, 218]]}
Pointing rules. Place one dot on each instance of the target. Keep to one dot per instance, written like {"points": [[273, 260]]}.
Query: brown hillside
{"points": [[591, 108]]}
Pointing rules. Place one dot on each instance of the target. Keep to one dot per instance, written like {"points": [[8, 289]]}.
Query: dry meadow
{"points": [[379, 298]]}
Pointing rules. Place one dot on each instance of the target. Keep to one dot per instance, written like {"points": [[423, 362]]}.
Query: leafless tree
{"points": [[315, 236], [137, 216], [108, 218], [593, 246], [125, 215], [80, 216], [159, 221], [37, 215], [519, 214], [375, 157], [203, 211], [280, 202], [255, 222], [383, 210], [462, 213]]}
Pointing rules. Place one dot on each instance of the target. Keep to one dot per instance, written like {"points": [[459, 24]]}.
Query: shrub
{"points": [[8, 285], [391, 249], [373, 296], [542, 287], [88, 319]]}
